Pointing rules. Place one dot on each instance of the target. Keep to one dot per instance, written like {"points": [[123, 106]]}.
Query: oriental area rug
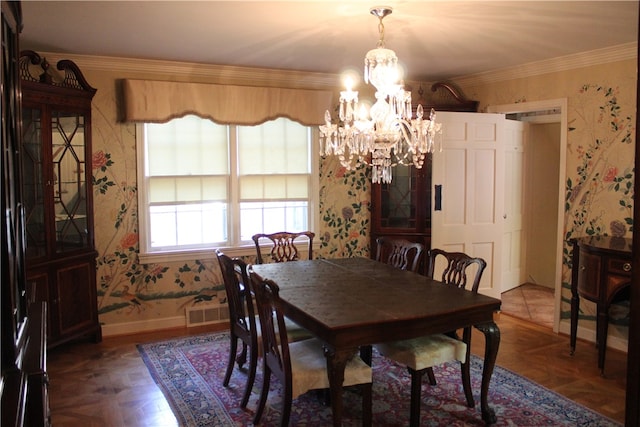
{"points": [[190, 371]]}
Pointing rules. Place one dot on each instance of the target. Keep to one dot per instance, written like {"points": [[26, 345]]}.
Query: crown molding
{"points": [[228, 74], [222, 74], [579, 60]]}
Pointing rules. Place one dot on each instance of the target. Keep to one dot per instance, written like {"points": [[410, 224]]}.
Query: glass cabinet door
{"points": [[398, 207], [405, 203], [68, 180], [32, 183], [55, 188]]}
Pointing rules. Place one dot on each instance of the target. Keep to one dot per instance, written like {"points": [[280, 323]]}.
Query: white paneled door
{"points": [[513, 233], [468, 198]]}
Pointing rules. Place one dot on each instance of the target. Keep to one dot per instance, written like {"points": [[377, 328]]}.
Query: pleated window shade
{"points": [[201, 179], [273, 170], [187, 161]]}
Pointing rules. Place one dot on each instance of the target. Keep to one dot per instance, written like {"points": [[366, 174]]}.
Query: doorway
{"points": [[543, 185]]}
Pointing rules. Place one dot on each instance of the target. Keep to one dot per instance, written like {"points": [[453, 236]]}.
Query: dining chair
{"points": [[399, 253], [243, 324], [300, 366], [242, 320], [421, 354], [284, 245]]}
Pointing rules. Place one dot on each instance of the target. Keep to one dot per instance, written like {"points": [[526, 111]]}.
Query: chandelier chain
{"points": [[381, 32]]}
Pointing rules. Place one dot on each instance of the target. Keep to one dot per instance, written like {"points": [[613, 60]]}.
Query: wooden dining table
{"points": [[354, 302]]}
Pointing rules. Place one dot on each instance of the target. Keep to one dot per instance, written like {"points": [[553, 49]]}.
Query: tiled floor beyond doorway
{"points": [[530, 302]]}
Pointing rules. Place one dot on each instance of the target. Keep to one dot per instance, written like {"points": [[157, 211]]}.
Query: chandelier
{"points": [[390, 136]]}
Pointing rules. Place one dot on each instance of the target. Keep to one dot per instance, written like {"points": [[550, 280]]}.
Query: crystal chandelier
{"points": [[391, 136]]}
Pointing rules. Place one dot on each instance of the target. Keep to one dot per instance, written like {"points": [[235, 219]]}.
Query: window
{"points": [[205, 185]]}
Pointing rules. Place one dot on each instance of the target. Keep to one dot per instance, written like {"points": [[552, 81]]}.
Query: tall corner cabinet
{"points": [[402, 208], [57, 190]]}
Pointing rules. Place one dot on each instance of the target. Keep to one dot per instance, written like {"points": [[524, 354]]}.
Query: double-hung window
{"points": [[204, 185]]}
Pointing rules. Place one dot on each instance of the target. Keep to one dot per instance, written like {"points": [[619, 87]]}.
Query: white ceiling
{"points": [[435, 40]]}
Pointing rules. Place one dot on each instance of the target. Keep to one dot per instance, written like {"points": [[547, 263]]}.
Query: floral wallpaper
{"points": [[603, 177], [599, 186], [599, 191], [344, 210], [129, 291], [600, 158]]}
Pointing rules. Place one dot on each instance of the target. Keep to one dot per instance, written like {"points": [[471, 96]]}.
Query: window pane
{"points": [[274, 187], [275, 147], [187, 146], [271, 217], [188, 175], [187, 188], [188, 225]]}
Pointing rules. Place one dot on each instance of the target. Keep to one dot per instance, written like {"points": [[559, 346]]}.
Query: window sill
{"points": [[204, 254], [199, 254]]}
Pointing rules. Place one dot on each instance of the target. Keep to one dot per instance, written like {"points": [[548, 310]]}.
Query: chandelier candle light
{"points": [[391, 136]]}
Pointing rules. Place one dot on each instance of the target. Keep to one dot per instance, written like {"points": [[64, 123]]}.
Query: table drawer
{"points": [[619, 266], [589, 275]]}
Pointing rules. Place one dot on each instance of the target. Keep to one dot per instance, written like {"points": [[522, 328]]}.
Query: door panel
{"points": [[513, 237], [470, 169]]}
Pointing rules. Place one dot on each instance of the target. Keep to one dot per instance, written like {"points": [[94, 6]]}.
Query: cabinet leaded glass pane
{"points": [[398, 207], [69, 186], [32, 183]]}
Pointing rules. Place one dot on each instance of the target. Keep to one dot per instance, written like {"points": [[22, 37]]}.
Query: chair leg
{"points": [[465, 368], [242, 357], [366, 404], [366, 354], [431, 376], [286, 406], [324, 396], [416, 390], [232, 358], [251, 377], [263, 394]]}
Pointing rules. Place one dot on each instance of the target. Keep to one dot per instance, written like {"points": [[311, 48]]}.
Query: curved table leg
{"points": [[492, 342], [336, 362]]}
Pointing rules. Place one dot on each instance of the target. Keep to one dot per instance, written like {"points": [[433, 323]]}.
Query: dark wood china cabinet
{"points": [[56, 182], [23, 378], [402, 208]]}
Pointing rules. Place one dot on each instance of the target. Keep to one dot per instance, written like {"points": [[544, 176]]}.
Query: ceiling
{"points": [[434, 40]]}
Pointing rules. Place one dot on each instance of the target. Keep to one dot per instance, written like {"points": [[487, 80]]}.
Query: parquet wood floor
{"points": [[108, 385]]}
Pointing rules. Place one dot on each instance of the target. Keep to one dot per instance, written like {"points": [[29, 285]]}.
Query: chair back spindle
{"points": [[457, 267], [284, 247], [399, 253]]}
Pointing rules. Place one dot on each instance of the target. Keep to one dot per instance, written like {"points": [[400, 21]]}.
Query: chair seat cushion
{"points": [[309, 368], [424, 352], [296, 332]]}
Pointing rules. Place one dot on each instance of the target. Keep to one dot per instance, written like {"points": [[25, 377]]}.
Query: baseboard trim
{"points": [[614, 342], [128, 328]]}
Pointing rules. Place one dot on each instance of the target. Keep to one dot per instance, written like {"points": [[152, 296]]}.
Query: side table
{"points": [[601, 271]]}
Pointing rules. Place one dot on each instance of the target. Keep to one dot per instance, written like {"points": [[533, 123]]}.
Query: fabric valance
{"points": [[161, 101]]}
